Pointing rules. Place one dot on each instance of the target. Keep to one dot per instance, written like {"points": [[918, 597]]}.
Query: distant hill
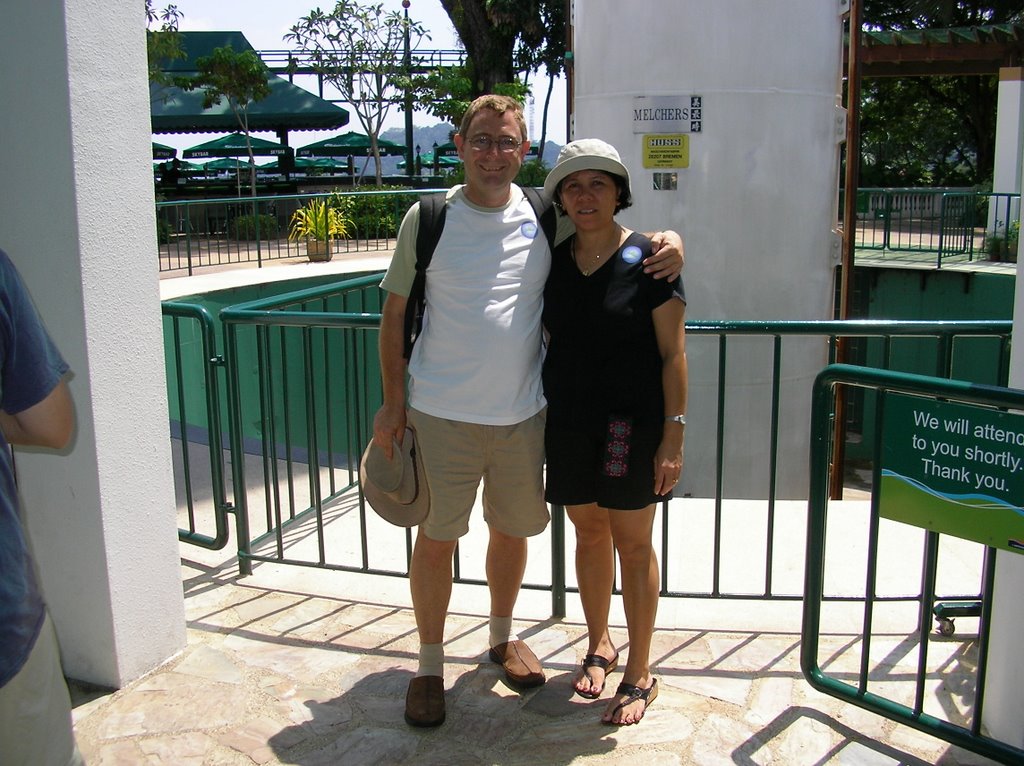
{"points": [[424, 137]]}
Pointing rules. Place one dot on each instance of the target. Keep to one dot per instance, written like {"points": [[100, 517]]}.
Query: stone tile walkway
{"points": [[299, 666]]}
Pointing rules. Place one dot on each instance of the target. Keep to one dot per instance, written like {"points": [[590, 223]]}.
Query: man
{"points": [[476, 401], [35, 410]]}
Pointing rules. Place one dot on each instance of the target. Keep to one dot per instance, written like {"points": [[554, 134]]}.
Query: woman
{"points": [[615, 381]]}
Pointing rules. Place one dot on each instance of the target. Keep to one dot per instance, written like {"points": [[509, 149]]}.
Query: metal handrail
{"points": [[294, 321], [919, 222], [200, 319], [197, 233], [952, 224]]}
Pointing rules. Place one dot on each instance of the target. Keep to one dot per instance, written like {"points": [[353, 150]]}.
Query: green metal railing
{"points": [[194, 234], [868, 692], [944, 342], [951, 225], [301, 383], [194, 361], [314, 390]]}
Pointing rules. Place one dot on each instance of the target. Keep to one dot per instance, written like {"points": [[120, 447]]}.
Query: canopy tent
{"points": [[288, 107], [163, 152], [309, 163], [446, 150], [227, 163], [183, 167], [349, 144], [427, 161], [234, 145]]}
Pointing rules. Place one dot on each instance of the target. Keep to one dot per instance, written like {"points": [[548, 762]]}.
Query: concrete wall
{"points": [[756, 205], [77, 197]]}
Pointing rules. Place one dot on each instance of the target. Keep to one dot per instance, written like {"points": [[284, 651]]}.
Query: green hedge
{"points": [[244, 227], [377, 216]]}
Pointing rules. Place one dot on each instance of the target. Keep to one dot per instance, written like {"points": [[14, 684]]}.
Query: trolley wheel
{"points": [[946, 626]]}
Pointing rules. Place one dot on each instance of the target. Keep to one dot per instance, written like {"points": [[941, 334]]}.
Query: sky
{"points": [[264, 23]]}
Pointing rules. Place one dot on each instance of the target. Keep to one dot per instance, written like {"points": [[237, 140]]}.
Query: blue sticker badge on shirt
{"points": [[529, 230], [632, 254]]}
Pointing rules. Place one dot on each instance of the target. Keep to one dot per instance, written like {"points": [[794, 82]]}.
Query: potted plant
{"points": [[1000, 247], [318, 223]]}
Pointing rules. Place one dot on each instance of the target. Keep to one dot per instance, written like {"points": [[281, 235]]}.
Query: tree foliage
{"points": [[448, 91], [914, 133], [240, 77], [505, 41], [930, 131], [931, 14], [545, 47], [163, 44], [360, 51]]}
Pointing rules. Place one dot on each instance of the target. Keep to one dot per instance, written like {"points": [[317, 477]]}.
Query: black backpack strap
{"points": [[432, 213], [431, 224], [545, 212]]}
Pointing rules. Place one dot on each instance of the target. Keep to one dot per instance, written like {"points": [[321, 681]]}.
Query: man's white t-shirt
{"points": [[478, 357]]}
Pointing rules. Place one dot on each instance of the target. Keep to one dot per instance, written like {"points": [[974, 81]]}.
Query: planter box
{"points": [[318, 250]]}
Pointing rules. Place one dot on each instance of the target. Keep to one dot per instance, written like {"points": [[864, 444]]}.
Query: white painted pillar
{"points": [[1003, 716], [78, 221], [1006, 173]]}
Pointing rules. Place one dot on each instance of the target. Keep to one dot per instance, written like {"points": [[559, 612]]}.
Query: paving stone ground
{"points": [[298, 666]]}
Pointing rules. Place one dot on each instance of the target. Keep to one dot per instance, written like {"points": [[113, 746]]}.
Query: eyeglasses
{"points": [[504, 143]]}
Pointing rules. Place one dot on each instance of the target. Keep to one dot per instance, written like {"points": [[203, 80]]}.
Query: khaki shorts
{"points": [[509, 459], [35, 710]]}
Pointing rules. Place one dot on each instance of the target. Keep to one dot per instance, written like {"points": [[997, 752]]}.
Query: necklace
{"points": [[597, 260], [585, 271]]}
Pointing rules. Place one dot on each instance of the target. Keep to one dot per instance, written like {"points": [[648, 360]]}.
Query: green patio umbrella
{"points": [[226, 163], [229, 164], [163, 152], [427, 161], [309, 163], [351, 143], [233, 145], [182, 166], [446, 150]]}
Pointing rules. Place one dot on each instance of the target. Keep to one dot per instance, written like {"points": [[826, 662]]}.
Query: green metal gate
{"points": [[939, 510], [194, 401]]}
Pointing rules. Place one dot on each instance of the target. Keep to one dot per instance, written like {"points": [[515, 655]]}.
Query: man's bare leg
{"points": [[506, 566], [430, 581]]}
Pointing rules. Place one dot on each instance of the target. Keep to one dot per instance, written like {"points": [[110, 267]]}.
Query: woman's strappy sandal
{"points": [[597, 661], [634, 693]]}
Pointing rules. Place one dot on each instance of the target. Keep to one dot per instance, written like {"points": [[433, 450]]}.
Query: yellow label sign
{"points": [[667, 150]]}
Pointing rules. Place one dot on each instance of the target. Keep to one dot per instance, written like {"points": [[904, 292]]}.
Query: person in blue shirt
{"points": [[36, 411]]}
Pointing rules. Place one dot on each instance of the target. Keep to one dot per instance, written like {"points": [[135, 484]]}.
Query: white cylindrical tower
{"points": [[728, 116]]}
